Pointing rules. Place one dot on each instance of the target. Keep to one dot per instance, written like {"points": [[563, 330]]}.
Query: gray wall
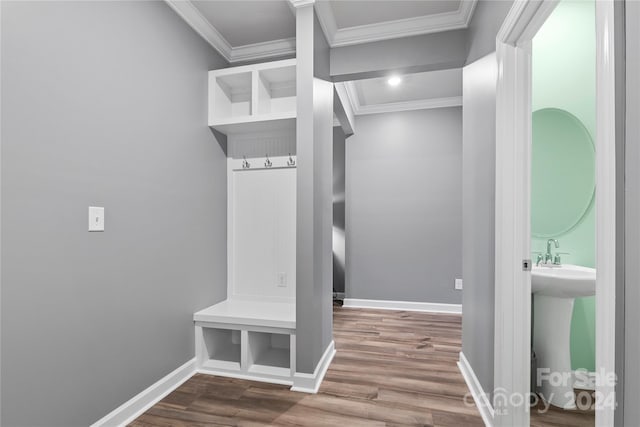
{"points": [[314, 193], [478, 222], [478, 188], [338, 208], [323, 93], [404, 210], [484, 26], [104, 104]]}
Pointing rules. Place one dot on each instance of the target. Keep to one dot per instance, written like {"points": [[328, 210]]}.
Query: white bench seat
{"points": [[245, 338], [249, 313]]}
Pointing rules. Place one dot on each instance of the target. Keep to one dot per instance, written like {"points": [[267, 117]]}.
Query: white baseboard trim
{"points": [[310, 383], [339, 295], [432, 307], [479, 396], [136, 406]]}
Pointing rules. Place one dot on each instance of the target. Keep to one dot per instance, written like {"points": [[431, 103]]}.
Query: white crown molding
{"points": [[270, 49], [392, 107], [392, 29], [466, 9], [352, 96], [201, 25], [421, 104], [347, 113], [327, 20], [335, 36], [192, 16]]}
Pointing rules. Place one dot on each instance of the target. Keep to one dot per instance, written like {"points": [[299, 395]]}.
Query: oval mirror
{"points": [[562, 172]]}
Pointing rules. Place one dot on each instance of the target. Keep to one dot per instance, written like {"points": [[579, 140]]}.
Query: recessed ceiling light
{"points": [[394, 81]]}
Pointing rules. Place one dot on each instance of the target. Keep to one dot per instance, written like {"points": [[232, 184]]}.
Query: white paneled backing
{"points": [[263, 231], [252, 145]]}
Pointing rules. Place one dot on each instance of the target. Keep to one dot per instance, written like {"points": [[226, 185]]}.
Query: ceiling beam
{"points": [[348, 90], [428, 52]]}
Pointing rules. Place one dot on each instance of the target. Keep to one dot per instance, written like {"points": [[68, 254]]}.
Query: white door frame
{"points": [[513, 153]]}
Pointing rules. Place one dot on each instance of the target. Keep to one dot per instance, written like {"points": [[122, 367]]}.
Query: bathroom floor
{"points": [[391, 368], [561, 418]]}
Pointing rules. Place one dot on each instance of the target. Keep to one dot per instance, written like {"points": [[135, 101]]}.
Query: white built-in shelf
{"points": [[246, 338], [253, 98]]}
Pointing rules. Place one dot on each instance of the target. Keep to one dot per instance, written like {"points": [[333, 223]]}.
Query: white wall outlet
{"points": [[282, 280], [458, 285], [96, 218]]}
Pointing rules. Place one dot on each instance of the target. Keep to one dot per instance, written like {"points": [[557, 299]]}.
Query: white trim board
{"points": [[137, 405], [513, 150], [386, 30], [251, 52], [480, 397], [310, 383], [606, 207], [512, 317], [430, 307]]}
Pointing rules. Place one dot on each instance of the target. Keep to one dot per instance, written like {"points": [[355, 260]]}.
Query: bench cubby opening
{"points": [[221, 348], [269, 353]]}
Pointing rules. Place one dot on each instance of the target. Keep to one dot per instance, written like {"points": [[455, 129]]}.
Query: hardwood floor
{"points": [[392, 368]]}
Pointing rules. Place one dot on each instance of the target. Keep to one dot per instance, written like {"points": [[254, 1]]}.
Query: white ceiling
{"points": [[416, 91], [363, 12], [243, 22], [429, 85], [248, 30]]}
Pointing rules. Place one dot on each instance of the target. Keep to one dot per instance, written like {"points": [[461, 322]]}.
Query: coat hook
{"points": [[245, 164], [291, 162], [267, 163]]}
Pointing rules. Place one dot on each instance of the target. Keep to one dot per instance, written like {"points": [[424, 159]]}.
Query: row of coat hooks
{"points": [[267, 163]]}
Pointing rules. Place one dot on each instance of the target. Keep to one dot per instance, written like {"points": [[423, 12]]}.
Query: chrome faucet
{"points": [[548, 257]]}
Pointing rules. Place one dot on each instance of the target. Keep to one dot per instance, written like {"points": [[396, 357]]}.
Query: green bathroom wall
{"points": [[564, 77]]}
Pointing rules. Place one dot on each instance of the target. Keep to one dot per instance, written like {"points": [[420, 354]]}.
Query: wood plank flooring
{"points": [[392, 368]]}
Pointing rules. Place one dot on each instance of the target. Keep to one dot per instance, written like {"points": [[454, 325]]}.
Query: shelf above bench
{"points": [[253, 98]]}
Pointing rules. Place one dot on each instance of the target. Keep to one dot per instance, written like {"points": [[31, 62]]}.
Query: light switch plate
{"points": [[96, 218], [282, 280], [458, 284]]}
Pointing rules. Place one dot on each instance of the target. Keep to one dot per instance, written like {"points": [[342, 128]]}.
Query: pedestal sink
{"points": [[554, 290]]}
